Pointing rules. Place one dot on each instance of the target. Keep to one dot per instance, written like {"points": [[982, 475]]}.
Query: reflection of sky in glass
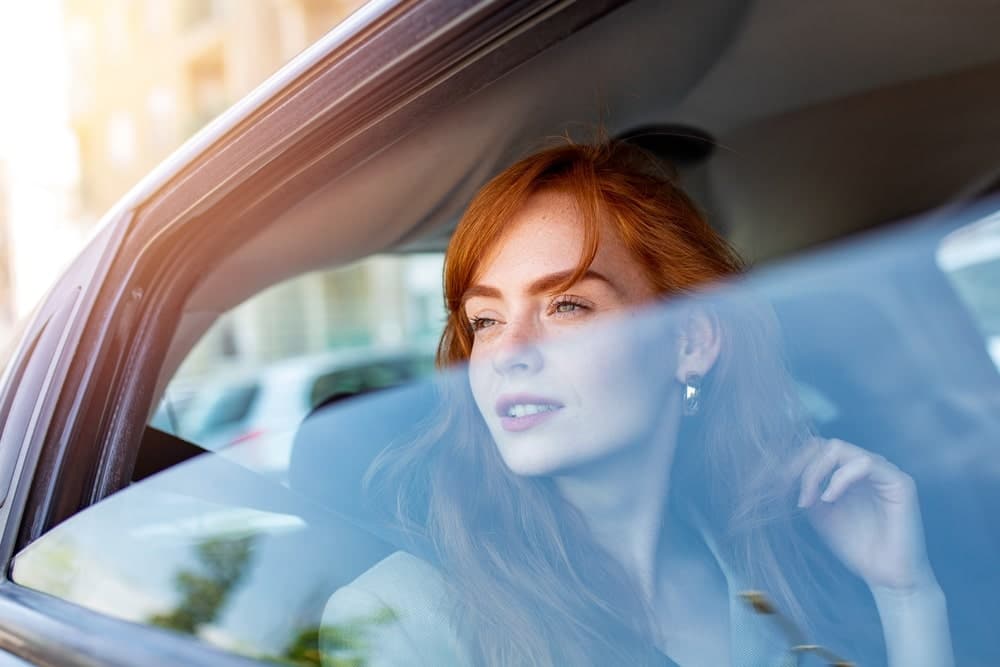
{"points": [[873, 361], [970, 257], [973, 244]]}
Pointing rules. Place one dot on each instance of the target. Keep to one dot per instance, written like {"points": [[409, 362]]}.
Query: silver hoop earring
{"points": [[692, 394]]}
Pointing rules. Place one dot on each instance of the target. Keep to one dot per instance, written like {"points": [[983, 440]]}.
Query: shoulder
{"points": [[396, 613]]}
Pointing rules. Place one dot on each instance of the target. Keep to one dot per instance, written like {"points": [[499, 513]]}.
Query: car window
{"points": [[970, 257], [229, 405], [316, 567], [362, 379], [262, 367]]}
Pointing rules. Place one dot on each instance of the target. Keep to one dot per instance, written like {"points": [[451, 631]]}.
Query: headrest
{"points": [[337, 442]]}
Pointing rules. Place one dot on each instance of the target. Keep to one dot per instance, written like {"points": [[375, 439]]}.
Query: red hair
{"points": [[658, 223]]}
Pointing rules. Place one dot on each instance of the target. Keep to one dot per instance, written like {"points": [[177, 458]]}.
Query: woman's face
{"points": [[553, 394]]}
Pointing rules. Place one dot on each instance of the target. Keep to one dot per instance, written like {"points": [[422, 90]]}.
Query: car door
{"points": [[77, 393]]}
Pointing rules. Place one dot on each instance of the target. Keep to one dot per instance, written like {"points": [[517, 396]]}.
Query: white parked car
{"points": [[252, 415]]}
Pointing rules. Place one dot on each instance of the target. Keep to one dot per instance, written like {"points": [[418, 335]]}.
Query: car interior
{"points": [[814, 135]]}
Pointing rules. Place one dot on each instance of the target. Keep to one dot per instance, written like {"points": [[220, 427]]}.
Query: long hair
{"points": [[530, 584]]}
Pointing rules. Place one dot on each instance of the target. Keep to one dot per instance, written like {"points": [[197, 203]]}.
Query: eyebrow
{"points": [[542, 285]]}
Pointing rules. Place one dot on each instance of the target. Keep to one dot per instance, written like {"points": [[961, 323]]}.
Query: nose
{"points": [[518, 352]]}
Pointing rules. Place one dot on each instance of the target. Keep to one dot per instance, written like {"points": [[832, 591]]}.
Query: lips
{"points": [[519, 412]]}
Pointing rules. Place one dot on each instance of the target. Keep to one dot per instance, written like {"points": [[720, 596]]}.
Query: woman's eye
{"points": [[567, 306], [480, 323]]}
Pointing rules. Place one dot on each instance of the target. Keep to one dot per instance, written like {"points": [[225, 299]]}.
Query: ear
{"points": [[697, 345]]}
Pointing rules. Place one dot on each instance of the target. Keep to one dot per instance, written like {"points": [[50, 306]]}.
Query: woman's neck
{"points": [[624, 500]]}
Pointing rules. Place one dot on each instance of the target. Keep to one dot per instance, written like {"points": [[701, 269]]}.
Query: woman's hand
{"points": [[866, 510]]}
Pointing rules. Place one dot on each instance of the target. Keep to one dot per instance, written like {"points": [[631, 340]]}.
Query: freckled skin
{"points": [[573, 347]]}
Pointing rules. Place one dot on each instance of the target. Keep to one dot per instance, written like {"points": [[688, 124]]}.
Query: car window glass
{"points": [[228, 406], [330, 334], [363, 379], [970, 257], [319, 566]]}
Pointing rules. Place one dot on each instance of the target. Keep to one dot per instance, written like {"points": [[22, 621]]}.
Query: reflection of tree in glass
{"points": [[343, 645], [203, 593]]}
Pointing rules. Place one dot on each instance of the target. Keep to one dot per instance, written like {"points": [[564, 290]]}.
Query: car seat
{"points": [[335, 446]]}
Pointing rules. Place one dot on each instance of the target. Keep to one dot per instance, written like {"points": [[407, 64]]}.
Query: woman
{"points": [[622, 500]]}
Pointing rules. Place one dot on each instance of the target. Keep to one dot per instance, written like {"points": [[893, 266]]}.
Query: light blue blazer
{"points": [[397, 614]]}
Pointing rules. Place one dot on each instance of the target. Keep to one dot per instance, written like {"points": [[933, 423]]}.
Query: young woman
{"points": [[603, 484]]}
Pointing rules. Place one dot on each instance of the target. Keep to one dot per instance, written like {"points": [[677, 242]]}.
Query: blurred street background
{"points": [[97, 92]]}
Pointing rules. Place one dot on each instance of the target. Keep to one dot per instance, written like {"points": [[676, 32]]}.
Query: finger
{"points": [[855, 470], [884, 472], [846, 449], [815, 472], [884, 476], [890, 483]]}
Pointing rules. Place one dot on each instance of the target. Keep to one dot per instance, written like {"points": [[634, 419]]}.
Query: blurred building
{"points": [[39, 172], [147, 74]]}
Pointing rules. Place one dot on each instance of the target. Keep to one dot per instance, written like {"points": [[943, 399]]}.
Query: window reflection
{"points": [[970, 257]]}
